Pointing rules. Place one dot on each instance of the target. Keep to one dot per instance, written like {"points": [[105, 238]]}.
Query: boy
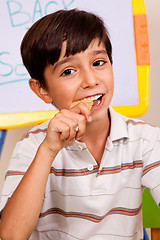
{"points": [[84, 171]]}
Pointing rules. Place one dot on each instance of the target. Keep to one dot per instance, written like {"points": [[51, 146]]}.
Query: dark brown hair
{"points": [[42, 43]]}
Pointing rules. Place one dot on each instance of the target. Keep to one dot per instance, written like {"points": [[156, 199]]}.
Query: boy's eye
{"points": [[99, 63], [68, 72]]}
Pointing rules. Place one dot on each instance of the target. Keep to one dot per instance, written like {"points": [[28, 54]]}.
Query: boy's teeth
{"points": [[93, 98]]}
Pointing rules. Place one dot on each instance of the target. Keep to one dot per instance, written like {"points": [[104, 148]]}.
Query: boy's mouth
{"points": [[90, 101], [97, 100]]}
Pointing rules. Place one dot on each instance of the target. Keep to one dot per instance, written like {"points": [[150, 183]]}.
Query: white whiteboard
{"points": [[15, 19]]}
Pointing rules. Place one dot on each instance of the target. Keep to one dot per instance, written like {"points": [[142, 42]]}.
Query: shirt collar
{"points": [[118, 126]]}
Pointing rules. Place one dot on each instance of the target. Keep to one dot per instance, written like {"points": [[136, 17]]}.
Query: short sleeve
{"points": [[21, 159], [151, 163]]}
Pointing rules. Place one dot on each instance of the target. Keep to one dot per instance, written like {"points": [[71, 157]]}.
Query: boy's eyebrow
{"points": [[99, 52], [61, 62]]}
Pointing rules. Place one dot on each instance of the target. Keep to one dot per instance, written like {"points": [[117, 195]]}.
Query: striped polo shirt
{"points": [[85, 201]]}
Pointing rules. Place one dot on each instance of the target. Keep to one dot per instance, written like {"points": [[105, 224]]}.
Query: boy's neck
{"points": [[98, 129], [96, 136]]}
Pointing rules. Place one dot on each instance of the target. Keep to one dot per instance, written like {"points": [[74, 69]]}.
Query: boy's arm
{"points": [[21, 213]]}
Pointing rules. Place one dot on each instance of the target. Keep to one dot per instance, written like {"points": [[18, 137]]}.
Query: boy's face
{"points": [[83, 75]]}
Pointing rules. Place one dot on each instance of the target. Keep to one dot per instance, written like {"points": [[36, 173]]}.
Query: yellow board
{"points": [[12, 120], [143, 73], [143, 62], [138, 7]]}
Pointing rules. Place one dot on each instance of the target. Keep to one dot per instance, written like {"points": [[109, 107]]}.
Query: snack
{"points": [[89, 103]]}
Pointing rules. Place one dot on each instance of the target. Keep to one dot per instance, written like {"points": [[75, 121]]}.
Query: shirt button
{"points": [[90, 167], [80, 148]]}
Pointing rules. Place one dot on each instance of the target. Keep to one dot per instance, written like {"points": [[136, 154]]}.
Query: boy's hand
{"points": [[62, 128]]}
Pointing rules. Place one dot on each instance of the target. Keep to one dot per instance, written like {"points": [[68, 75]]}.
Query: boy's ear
{"points": [[39, 90]]}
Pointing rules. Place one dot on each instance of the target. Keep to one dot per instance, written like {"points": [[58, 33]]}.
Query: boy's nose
{"points": [[89, 79]]}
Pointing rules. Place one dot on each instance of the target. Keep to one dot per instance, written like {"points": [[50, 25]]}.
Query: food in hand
{"points": [[89, 103]]}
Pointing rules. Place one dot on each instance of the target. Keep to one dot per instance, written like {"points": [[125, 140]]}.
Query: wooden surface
{"points": [[155, 234]]}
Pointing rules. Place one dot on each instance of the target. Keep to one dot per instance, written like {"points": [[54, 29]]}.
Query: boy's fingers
{"points": [[82, 108], [79, 119], [59, 127], [70, 124], [66, 126], [81, 126]]}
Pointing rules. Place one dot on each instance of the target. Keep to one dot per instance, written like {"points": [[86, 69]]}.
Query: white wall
{"points": [[153, 113]]}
